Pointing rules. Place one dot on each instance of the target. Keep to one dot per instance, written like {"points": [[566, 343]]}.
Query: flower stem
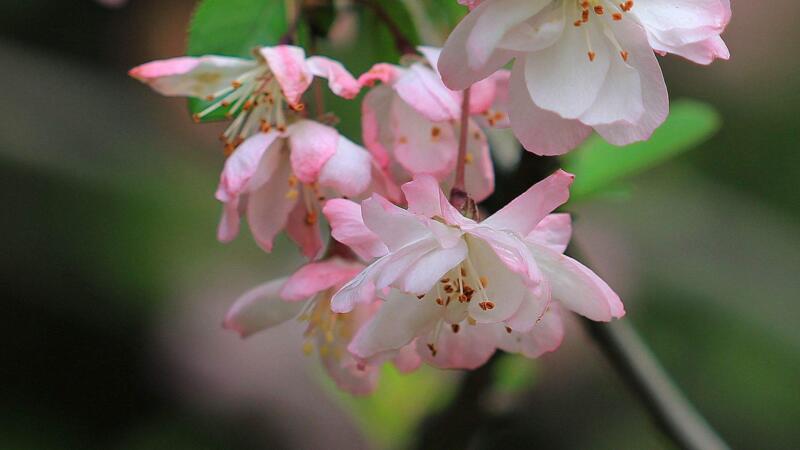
{"points": [[637, 365], [458, 194]]}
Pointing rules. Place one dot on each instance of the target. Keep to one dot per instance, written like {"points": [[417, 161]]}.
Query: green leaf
{"points": [[598, 165], [233, 28]]}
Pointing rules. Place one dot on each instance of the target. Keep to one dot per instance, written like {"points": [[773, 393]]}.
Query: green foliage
{"points": [[391, 414], [233, 28], [599, 166], [514, 374]]}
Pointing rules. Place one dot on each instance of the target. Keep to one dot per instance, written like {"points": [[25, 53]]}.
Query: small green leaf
{"points": [[598, 165], [233, 28]]}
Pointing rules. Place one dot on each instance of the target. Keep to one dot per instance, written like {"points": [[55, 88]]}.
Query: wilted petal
{"points": [[340, 81], [260, 308], [192, 77]]}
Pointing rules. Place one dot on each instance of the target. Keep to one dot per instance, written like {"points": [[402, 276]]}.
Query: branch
{"points": [[401, 42], [637, 365]]}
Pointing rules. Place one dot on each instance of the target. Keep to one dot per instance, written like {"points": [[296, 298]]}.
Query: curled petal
{"points": [[288, 64], [340, 81]]}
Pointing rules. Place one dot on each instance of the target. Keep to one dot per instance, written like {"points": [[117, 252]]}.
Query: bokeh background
{"points": [[114, 287]]}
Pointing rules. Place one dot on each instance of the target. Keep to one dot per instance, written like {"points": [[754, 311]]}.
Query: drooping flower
{"points": [[463, 288], [259, 92], [305, 296], [583, 64], [411, 123], [279, 179]]}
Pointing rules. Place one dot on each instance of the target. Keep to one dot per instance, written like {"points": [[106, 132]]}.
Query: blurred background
{"points": [[114, 286]]}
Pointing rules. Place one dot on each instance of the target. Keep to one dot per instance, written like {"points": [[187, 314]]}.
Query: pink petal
{"points": [[468, 349], [425, 197], [243, 164], [400, 319], [540, 132], [576, 287], [348, 227], [493, 20], [385, 73], [260, 308], [407, 359], [554, 231], [546, 336], [421, 146], [377, 133], [229, 223], [526, 211], [192, 77], [302, 227], [457, 75], [395, 226], [316, 277], [562, 79], [423, 275], [422, 89], [349, 170], [509, 273], [288, 64], [268, 208], [340, 81], [312, 145]]}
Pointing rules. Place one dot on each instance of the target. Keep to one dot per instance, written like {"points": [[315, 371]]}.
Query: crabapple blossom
{"points": [[305, 296], [278, 179], [444, 270], [410, 122], [259, 92], [582, 64]]}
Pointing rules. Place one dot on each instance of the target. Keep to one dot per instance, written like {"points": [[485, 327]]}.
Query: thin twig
{"points": [[401, 42]]}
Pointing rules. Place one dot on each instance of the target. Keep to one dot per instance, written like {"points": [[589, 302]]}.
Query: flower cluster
{"points": [[409, 274]]}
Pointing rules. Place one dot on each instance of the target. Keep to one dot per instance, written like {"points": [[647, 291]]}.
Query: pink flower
{"points": [[463, 288], [410, 123], [278, 179], [261, 91], [305, 296], [583, 65]]}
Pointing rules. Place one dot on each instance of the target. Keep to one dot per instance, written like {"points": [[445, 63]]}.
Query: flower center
{"points": [[312, 197], [598, 8], [327, 331], [459, 287], [258, 103]]}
